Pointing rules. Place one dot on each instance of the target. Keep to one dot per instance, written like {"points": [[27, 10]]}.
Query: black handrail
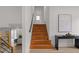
{"points": [[31, 22], [31, 26], [6, 45]]}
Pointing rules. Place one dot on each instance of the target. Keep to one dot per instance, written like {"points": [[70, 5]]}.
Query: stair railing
{"points": [[31, 22], [5, 46], [31, 25]]}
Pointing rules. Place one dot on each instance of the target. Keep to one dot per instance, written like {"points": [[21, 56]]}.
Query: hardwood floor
{"points": [[40, 39], [61, 50], [18, 48]]}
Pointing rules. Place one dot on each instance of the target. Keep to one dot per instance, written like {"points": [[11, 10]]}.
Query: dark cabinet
{"points": [[77, 42]]}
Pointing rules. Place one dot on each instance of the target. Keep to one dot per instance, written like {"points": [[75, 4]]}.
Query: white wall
{"points": [[39, 11], [46, 17], [53, 22], [10, 15], [26, 21]]}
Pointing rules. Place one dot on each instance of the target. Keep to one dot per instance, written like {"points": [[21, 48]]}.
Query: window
{"points": [[13, 34], [37, 17]]}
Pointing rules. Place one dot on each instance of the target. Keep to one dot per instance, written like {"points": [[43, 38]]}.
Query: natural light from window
{"points": [[37, 17]]}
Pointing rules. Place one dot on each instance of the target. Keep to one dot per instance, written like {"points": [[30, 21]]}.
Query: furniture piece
{"points": [[66, 37], [77, 41]]}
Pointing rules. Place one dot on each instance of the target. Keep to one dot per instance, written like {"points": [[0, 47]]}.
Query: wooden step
{"points": [[41, 28], [39, 32], [39, 42], [40, 36], [40, 39], [41, 47], [35, 37], [44, 35], [39, 25]]}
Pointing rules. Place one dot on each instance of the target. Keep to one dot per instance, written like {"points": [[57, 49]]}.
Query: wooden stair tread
{"points": [[41, 47], [39, 33], [41, 42], [39, 38], [34, 34], [39, 25], [39, 30]]}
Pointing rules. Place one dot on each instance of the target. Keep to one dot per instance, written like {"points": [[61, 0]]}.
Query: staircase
{"points": [[40, 39], [5, 47]]}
